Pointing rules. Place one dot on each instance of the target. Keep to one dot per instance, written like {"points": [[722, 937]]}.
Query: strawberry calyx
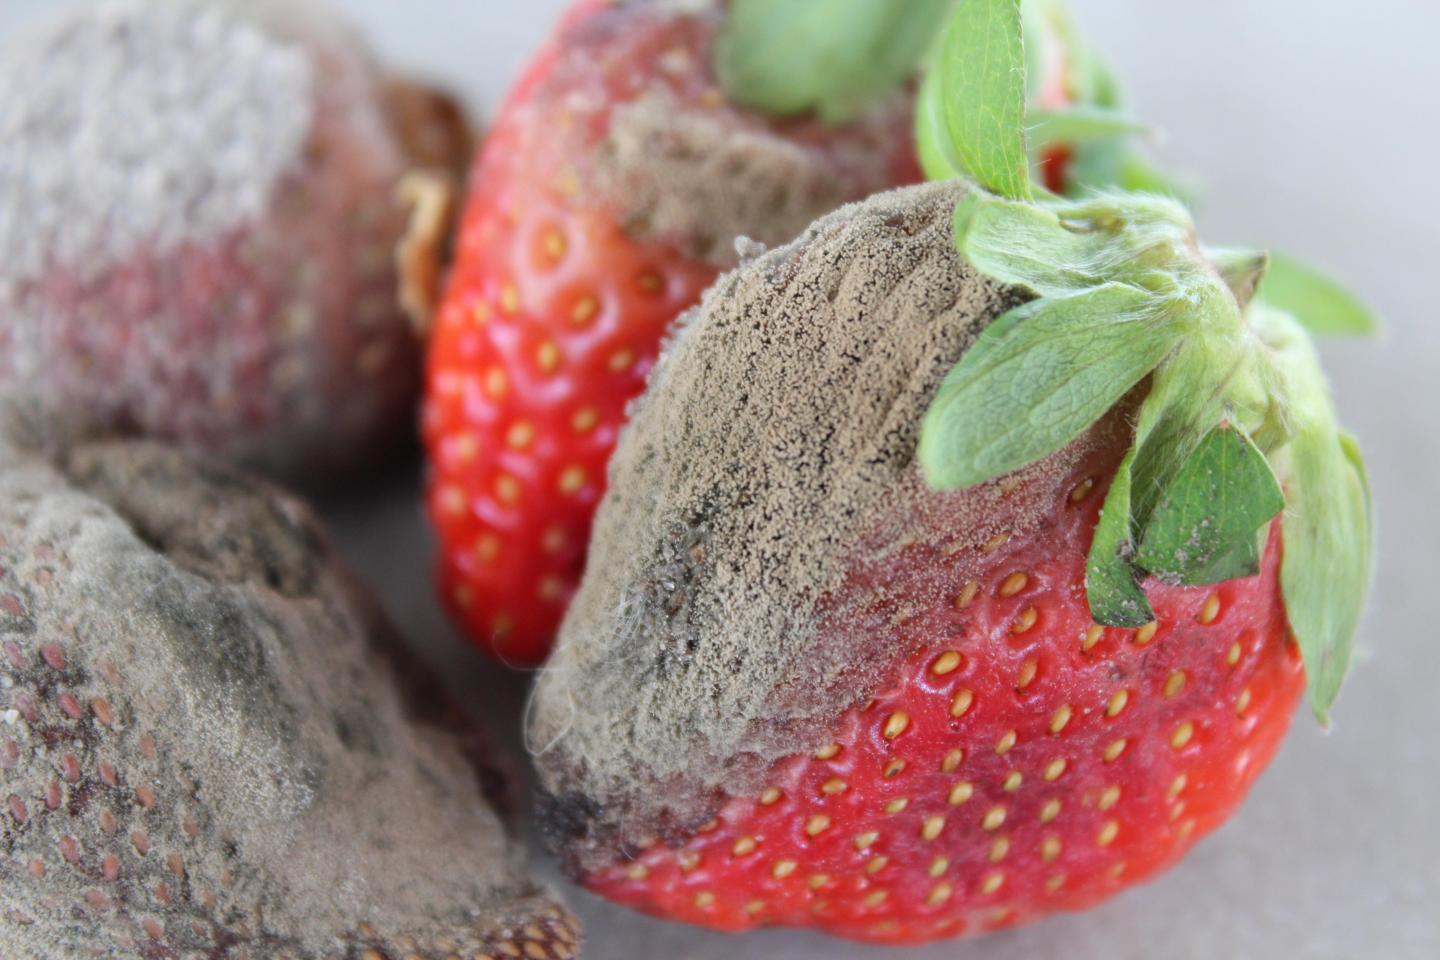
{"points": [[1236, 424]]}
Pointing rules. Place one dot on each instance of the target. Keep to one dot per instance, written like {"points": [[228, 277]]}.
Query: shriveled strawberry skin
{"points": [[557, 305], [1024, 761], [221, 276]]}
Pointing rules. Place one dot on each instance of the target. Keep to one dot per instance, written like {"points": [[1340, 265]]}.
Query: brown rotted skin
{"points": [[206, 237], [210, 744]]}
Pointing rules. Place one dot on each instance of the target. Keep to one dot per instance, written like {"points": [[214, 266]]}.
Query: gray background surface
{"points": [[1311, 124]]}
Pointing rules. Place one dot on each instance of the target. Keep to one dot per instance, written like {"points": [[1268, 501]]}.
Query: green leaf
{"points": [[1111, 587], [1027, 245], [833, 57], [981, 71], [933, 143], [1204, 528], [1037, 378], [1078, 124], [1056, 249], [1326, 568], [1327, 528], [1318, 302], [1183, 396]]}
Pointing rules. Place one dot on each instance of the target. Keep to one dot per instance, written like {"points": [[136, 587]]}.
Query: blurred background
{"points": [[1304, 123]]}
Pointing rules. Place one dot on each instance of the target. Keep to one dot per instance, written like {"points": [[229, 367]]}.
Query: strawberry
{"points": [[607, 197], [221, 276], [942, 583], [572, 261], [214, 744]]}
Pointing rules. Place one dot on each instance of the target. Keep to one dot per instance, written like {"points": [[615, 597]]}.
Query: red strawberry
{"points": [[221, 275], [608, 196], [838, 660], [941, 584]]}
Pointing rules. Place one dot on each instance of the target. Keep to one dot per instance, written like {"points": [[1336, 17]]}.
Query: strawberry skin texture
{"points": [[554, 316], [549, 330], [1024, 761]]}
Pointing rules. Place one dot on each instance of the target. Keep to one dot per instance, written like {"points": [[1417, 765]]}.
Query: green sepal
{"points": [[1320, 304], [933, 144], [1327, 558], [1037, 378], [1112, 586], [1205, 527], [1080, 124], [1328, 524], [829, 57], [980, 73], [1168, 428], [1053, 249]]}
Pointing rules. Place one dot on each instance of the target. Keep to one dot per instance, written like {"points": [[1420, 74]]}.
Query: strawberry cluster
{"points": [[908, 559]]}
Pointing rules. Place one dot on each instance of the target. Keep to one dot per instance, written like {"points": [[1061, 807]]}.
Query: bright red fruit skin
{"points": [[554, 316], [1024, 761]]}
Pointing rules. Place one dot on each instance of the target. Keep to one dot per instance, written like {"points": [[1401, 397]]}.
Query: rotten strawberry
{"points": [[943, 581]]}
